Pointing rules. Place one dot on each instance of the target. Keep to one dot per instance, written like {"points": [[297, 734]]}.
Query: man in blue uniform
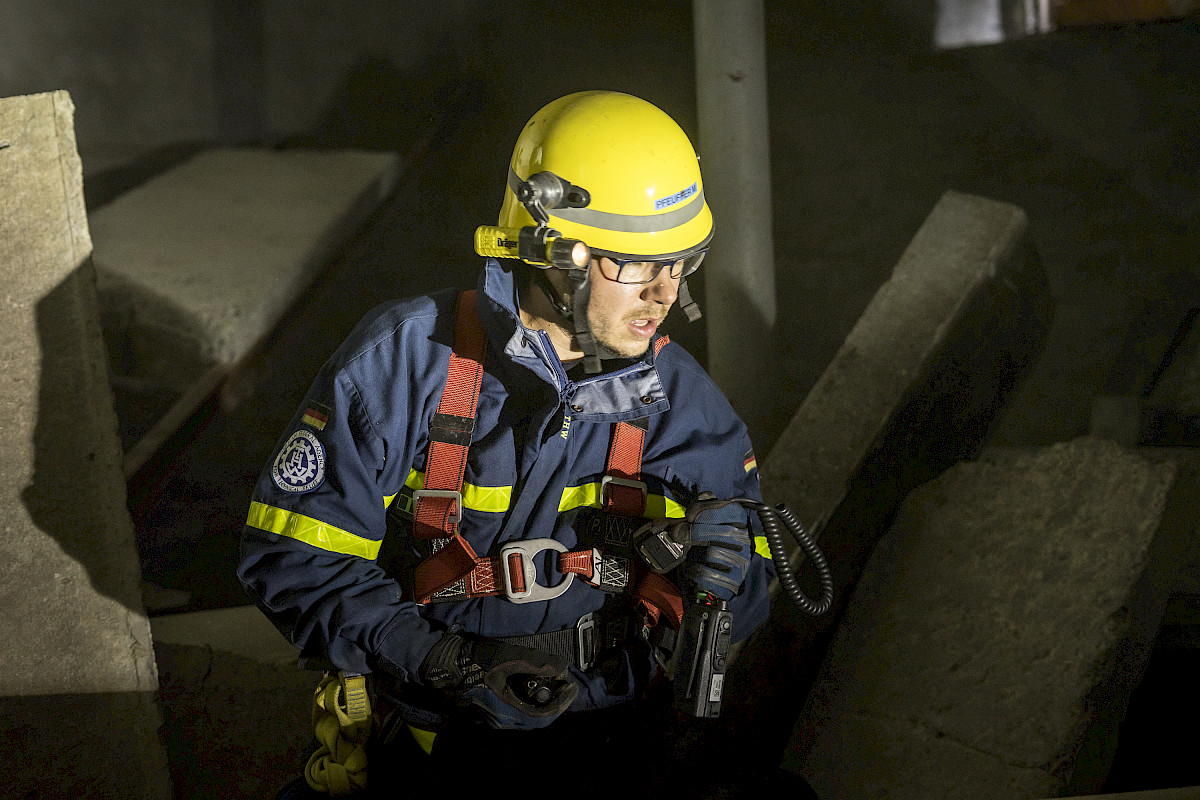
{"points": [[465, 506]]}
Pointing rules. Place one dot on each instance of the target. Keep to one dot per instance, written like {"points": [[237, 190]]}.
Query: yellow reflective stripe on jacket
{"points": [[493, 499], [656, 506], [588, 495], [761, 547], [310, 531]]}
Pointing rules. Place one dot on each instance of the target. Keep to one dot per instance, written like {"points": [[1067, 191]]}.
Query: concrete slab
{"points": [[914, 388], [198, 265], [211, 253], [995, 636], [243, 631], [77, 670]]}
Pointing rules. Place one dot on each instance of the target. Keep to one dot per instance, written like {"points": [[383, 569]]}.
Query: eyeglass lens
{"points": [[646, 271]]}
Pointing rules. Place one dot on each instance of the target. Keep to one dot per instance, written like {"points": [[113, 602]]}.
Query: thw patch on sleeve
{"points": [[749, 461], [300, 465]]}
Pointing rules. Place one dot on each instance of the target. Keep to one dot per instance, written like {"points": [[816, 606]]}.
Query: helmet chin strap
{"points": [[573, 309], [593, 353], [686, 304], [561, 306]]}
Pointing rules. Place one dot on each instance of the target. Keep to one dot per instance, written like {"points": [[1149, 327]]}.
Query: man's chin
{"points": [[624, 350]]}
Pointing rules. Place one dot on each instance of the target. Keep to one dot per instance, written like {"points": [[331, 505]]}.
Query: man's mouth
{"points": [[645, 326]]}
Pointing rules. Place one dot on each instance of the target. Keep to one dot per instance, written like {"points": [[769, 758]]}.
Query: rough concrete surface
{"points": [[965, 243], [993, 640], [234, 728], [242, 631], [209, 255], [76, 632], [917, 385]]}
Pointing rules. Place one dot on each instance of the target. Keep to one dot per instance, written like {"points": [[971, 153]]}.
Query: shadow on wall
{"points": [[77, 495], [380, 107]]}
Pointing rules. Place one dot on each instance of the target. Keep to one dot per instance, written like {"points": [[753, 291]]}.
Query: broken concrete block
{"points": [[242, 630], [993, 640], [915, 388], [197, 265], [77, 671]]}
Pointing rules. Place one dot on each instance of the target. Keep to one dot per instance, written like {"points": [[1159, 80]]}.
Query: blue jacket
{"points": [[318, 513]]}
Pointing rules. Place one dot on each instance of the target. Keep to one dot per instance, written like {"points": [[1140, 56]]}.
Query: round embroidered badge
{"points": [[300, 465]]}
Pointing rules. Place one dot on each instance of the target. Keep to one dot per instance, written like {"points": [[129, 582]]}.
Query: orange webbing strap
{"points": [[443, 568], [659, 597], [483, 576], [625, 464], [438, 506]]}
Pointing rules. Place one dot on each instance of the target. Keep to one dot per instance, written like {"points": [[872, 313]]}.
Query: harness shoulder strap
{"points": [[623, 493], [438, 506]]}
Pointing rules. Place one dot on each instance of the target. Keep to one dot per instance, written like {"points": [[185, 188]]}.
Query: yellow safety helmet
{"points": [[637, 168]]}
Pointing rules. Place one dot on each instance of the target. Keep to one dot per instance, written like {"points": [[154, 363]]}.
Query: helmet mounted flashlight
{"points": [[539, 245]]}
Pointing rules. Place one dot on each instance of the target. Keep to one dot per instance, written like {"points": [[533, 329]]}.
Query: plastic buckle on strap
{"points": [[609, 479], [585, 640], [531, 591], [456, 517]]}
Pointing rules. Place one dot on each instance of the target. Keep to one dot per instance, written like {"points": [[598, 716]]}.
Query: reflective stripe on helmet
{"points": [[623, 223]]}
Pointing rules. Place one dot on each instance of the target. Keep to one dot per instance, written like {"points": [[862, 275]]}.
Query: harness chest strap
{"points": [[510, 573]]}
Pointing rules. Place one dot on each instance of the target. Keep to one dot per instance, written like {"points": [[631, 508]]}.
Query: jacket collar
{"points": [[628, 393]]}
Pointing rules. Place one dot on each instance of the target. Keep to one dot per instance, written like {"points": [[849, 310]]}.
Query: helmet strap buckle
{"points": [[686, 304]]}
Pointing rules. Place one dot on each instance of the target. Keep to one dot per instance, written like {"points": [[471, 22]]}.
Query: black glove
{"points": [[514, 686], [719, 546]]}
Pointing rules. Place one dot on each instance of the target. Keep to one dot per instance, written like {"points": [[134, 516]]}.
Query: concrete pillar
{"points": [[739, 272], [77, 673]]}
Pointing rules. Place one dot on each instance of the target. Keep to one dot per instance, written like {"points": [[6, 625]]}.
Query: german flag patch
{"points": [[750, 462], [316, 416]]}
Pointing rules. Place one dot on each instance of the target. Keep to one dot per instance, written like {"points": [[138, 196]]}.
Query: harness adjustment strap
{"points": [[436, 516], [579, 645], [449, 565]]}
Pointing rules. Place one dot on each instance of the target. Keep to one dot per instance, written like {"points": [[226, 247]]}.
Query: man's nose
{"points": [[663, 289]]}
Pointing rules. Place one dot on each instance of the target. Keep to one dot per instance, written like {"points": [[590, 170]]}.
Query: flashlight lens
{"points": [[580, 254]]}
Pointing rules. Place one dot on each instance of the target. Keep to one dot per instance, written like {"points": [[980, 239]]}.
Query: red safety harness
{"points": [[453, 571]]}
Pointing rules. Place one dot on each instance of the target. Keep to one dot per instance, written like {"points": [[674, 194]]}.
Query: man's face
{"points": [[624, 316]]}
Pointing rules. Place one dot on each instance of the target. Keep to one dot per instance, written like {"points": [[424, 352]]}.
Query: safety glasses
{"points": [[647, 271]]}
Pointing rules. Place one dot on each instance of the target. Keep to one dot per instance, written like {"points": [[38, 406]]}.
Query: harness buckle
{"points": [[526, 589], [585, 638], [456, 517], [608, 480]]}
